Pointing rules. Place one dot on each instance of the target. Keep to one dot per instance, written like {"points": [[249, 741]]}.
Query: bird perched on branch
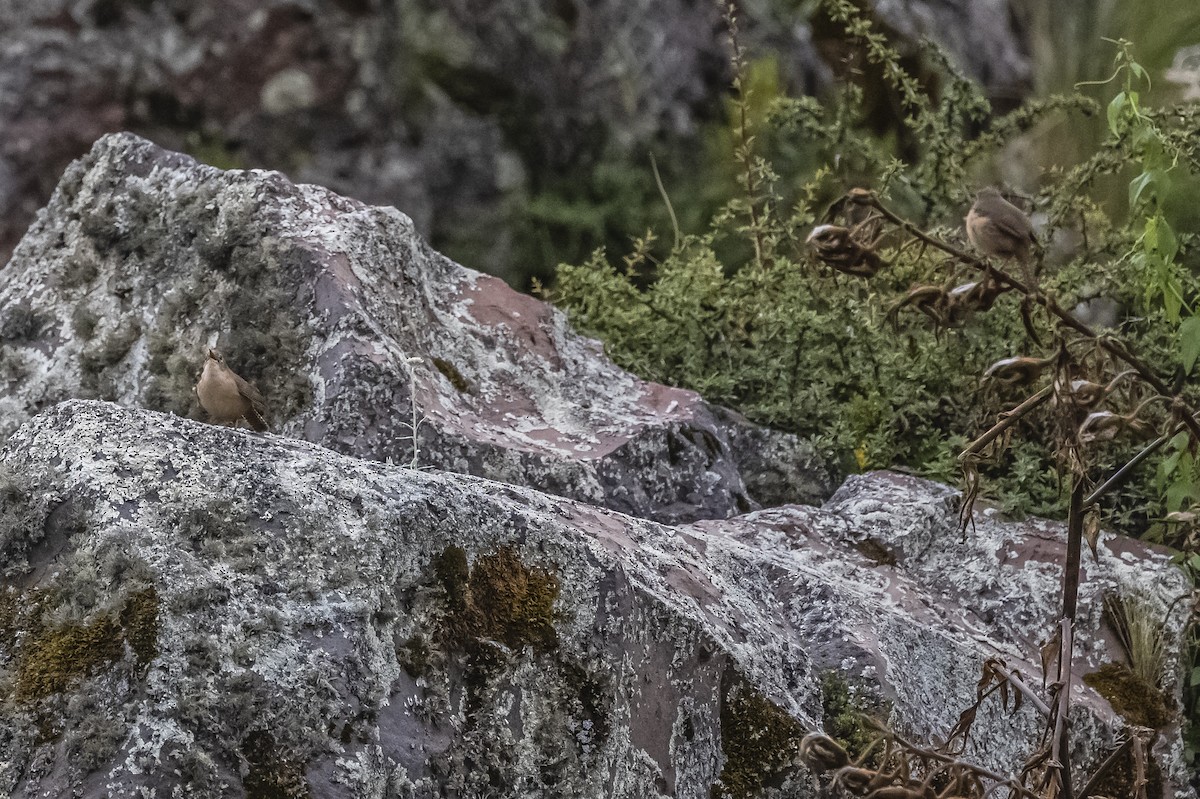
{"points": [[228, 398], [999, 229]]}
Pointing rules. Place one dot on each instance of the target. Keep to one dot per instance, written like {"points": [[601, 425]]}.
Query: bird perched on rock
{"points": [[228, 398], [999, 229]]}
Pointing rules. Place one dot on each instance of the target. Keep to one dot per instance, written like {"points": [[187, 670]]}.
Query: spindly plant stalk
{"points": [[1075, 401]]}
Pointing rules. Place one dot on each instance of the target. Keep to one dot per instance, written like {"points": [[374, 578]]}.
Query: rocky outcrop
{"points": [[199, 609], [565, 586], [354, 329], [452, 112]]}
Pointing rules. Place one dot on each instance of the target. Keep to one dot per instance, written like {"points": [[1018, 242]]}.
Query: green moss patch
{"points": [[1131, 696], [491, 611], [759, 740], [499, 598], [271, 774], [844, 715], [456, 378], [52, 657]]}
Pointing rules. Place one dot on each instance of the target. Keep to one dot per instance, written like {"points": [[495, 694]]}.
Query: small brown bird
{"points": [[998, 228], [228, 398]]}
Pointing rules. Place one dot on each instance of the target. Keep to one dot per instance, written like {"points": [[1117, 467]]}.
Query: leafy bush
{"points": [[745, 314]]}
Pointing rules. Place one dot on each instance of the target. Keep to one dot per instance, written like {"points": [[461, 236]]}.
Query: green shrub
{"points": [[743, 313]]}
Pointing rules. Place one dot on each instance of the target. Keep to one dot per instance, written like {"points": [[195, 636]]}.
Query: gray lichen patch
{"points": [[143, 267], [485, 635]]}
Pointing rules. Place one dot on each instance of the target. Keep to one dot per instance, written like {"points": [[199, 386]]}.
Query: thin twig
{"points": [[1059, 748], [666, 200], [1007, 420], [1102, 770], [1119, 475], [931, 754], [744, 152], [1015, 679]]}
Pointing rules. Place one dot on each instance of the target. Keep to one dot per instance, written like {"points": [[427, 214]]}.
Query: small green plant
{"points": [[416, 418], [759, 740], [846, 713], [1141, 632]]}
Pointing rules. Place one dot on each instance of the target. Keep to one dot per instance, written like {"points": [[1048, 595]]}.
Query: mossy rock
{"points": [[845, 714], [456, 378], [270, 773], [1136, 700], [498, 598], [51, 658], [759, 740]]}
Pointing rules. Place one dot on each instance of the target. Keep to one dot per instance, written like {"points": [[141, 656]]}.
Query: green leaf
{"points": [[1168, 244], [1180, 492], [1150, 240], [1168, 464], [1189, 342], [1115, 110], [1194, 679], [1172, 304], [1137, 186]]}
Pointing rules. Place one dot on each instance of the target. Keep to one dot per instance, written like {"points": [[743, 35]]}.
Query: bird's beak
{"points": [[213, 354]]}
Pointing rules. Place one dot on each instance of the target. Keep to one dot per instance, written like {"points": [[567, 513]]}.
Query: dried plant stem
{"points": [[1030, 696], [1119, 475], [931, 754], [1102, 770], [666, 201], [1060, 746], [1007, 420], [745, 153]]}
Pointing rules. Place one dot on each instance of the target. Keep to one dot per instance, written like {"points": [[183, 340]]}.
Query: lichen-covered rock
{"points": [[350, 324], [252, 615]]}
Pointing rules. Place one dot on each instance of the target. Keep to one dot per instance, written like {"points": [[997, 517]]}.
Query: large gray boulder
{"points": [[194, 610], [565, 589], [350, 324]]}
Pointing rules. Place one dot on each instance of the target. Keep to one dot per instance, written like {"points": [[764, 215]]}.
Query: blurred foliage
{"points": [[578, 174], [743, 313]]}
